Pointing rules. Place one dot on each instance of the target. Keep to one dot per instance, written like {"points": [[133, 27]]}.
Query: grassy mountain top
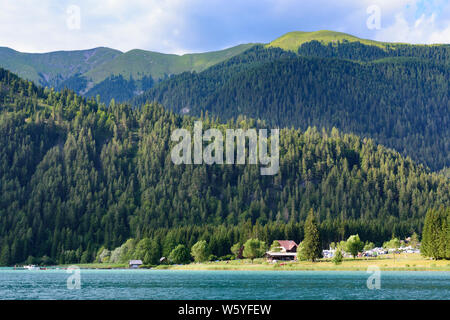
{"points": [[52, 67], [292, 40], [97, 64], [138, 63]]}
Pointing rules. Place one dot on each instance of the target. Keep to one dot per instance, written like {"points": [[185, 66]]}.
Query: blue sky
{"points": [[182, 26]]}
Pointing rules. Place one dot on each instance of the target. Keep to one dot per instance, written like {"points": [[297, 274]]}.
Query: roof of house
{"points": [[287, 244], [135, 262]]}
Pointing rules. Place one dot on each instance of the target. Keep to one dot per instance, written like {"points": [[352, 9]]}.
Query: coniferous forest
{"points": [[77, 175], [398, 95]]}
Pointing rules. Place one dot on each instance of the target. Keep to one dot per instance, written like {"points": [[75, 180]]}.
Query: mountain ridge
{"points": [[103, 71], [73, 65], [293, 40], [49, 69]]}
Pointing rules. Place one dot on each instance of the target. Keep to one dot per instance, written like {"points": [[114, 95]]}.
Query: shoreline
{"points": [[403, 262], [400, 269]]}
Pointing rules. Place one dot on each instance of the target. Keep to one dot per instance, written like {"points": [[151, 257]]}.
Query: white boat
{"points": [[31, 267]]}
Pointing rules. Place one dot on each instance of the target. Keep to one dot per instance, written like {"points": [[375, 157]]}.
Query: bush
{"points": [[338, 257], [301, 254], [275, 246], [354, 245], [254, 248], [180, 255], [212, 257], [200, 251], [369, 246], [394, 243], [103, 255]]}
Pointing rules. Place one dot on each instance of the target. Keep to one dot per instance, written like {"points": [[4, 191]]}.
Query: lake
{"points": [[239, 285]]}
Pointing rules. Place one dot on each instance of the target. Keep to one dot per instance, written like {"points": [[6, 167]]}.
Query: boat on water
{"points": [[31, 267]]}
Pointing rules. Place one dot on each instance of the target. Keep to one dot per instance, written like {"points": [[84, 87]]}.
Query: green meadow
{"points": [[390, 262]]}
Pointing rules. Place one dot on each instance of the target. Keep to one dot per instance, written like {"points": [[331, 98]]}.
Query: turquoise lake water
{"points": [[171, 284]]}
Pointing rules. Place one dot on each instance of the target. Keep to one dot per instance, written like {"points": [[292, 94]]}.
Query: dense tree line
{"points": [[398, 96], [198, 86], [358, 51], [77, 83], [119, 88]]}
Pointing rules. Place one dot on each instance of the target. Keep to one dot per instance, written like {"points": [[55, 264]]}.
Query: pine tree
{"points": [[312, 243], [414, 240], [447, 255], [338, 257], [433, 237], [154, 253], [427, 248], [442, 236], [5, 256]]}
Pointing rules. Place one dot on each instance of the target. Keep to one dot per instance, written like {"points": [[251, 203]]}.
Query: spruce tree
{"points": [[311, 243], [338, 257], [447, 254], [427, 248], [433, 237], [5, 256], [442, 235]]}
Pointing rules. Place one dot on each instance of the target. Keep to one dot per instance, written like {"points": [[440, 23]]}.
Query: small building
{"points": [[134, 264], [287, 245], [282, 256], [287, 251]]}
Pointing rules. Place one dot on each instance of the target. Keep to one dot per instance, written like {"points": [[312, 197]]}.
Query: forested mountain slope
{"points": [[398, 95], [76, 175]]}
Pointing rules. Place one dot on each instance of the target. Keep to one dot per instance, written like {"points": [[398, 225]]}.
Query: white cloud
{"points": [[40, 26], [179, 26], [423, 30]]}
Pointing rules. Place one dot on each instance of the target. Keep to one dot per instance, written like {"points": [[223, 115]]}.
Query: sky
{"points": [[186, 26]]}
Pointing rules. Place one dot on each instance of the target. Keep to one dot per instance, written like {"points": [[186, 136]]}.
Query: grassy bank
{"points": [[402, 262], [97, 265]]}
